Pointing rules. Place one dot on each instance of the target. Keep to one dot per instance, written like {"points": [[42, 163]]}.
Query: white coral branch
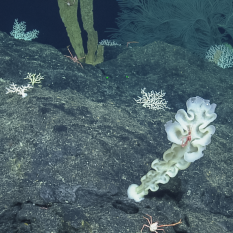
{"points": [[152, 100], [19, 90]]}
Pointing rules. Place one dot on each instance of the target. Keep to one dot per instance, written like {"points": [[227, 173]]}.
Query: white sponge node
{"points": [[132, 194]]}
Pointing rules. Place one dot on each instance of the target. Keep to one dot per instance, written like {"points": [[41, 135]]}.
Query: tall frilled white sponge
{"points": [[190, 134]]}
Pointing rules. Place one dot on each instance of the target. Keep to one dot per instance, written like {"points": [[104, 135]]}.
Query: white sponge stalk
{"points": [[190, 134]]}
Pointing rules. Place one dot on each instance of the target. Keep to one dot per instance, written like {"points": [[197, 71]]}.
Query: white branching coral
{"points": [[222, 55], [18, 90], [34, 78], [107, 42], [19, 29], [152, 100]]}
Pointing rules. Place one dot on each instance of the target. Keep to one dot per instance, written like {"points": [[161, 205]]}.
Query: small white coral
{"points": [[220, 55], [19, 29], [34, 79], [106, 42], [152, 100], [19, 90]]}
